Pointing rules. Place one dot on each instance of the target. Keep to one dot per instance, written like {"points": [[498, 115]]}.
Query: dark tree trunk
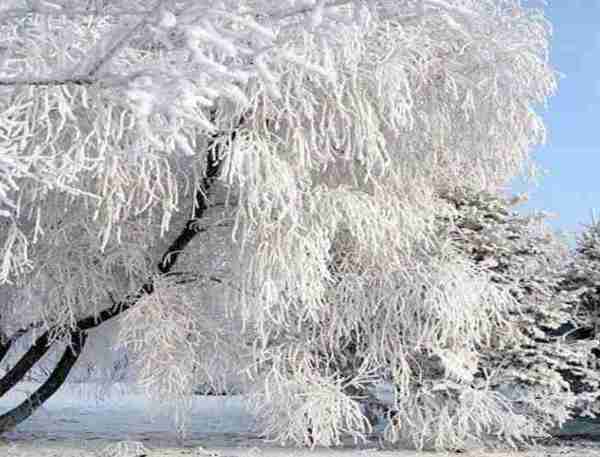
{"points": [[5, 344], [25, 363], [56, 379], [4, 348]]}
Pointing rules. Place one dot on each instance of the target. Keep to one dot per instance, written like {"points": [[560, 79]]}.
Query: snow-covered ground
{"points": [[83, 421]]}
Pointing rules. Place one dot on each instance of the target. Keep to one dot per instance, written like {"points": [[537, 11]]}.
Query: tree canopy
{"points": [[250, 187]]}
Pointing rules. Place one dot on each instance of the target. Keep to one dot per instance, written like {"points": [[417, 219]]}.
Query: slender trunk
{"points": [[56, 379], [5, 344], [25, 363], [4, 348]]}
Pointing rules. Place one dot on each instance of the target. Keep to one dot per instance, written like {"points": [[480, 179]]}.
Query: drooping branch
{"points": [[169, 259], [56, 379], [171, 255]]}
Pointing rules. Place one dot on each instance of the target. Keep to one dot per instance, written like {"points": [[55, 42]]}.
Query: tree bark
{"points": [[56, 379], [25, 363], [4, 348]]}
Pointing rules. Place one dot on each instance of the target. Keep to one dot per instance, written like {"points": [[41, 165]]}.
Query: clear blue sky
{"points": [[572, 154]]}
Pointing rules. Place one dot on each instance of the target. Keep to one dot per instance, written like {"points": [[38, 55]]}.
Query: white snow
{"points": [[86, 410], [83, 420]]}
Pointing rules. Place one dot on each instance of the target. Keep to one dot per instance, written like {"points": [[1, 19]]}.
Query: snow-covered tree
{"points": [[248, 188], [527, 360], [531, 261], [582, 281]]}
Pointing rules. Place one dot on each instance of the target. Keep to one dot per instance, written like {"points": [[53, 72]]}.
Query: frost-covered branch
{"points": [[334, 274]]}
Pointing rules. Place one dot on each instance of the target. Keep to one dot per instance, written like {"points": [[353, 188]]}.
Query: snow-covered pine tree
{"points": [[582, 281], [251, 187], [527, 258]]}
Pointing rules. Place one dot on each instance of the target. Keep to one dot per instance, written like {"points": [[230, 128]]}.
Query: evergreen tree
{"points": [[582, 281], [524, 256]]}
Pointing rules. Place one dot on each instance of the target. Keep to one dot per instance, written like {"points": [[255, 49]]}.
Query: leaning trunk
{"points": [[12, 418]]}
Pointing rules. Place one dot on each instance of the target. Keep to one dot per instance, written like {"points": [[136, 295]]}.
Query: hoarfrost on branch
{"points": [[329, 128]]}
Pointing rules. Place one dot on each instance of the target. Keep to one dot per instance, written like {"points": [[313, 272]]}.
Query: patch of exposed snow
{"points": [[78, 411]]}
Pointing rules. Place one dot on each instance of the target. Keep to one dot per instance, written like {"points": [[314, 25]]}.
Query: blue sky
{"points": [[572, 154]]}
